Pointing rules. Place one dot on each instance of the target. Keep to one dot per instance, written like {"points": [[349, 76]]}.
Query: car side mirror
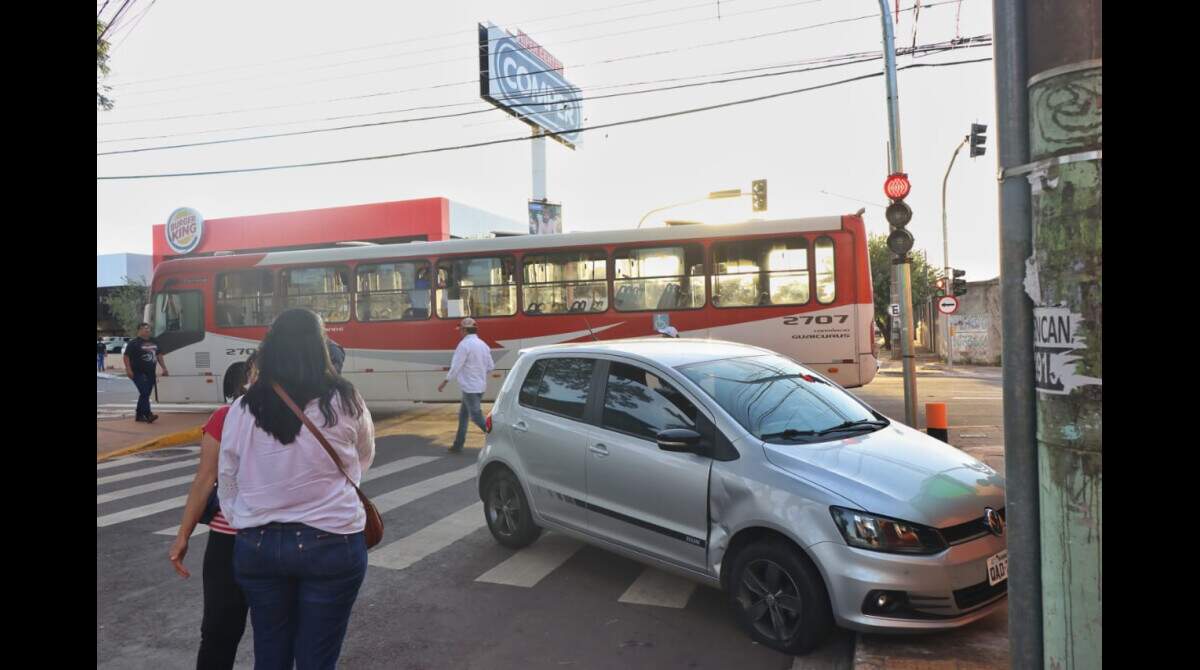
{"points": [[679, 440]]}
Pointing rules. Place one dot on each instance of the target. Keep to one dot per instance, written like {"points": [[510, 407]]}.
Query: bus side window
{"points": [[476, 287], [659, 278], [760, 272]]}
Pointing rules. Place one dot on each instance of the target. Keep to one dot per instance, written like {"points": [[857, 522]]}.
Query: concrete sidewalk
{"points": [[120, 437], [928, 363]]}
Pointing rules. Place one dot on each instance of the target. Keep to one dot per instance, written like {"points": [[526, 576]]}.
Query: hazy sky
{"points": [[276, 53]]}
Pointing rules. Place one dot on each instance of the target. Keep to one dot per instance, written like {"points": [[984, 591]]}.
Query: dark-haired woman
{"points": [[224, 618], [300, 554]]}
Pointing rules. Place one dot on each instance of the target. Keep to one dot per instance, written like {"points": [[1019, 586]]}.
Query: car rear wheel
{"points": [[507, 511], [779, 597]]}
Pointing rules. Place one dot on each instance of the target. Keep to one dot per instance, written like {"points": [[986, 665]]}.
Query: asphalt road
{"points": [[440, 592]]}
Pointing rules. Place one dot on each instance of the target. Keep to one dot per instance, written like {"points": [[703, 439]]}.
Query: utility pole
{"points": [[901, 266], [946, 256], [1062, 176]]}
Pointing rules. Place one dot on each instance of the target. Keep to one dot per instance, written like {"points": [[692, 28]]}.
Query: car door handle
{"points": [[598, 449], [521, 426]]}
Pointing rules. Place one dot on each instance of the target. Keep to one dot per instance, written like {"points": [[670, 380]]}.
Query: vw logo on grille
{"points": [[995, 522]]}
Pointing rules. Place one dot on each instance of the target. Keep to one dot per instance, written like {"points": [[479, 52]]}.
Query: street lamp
{"points": [[715, 195]]}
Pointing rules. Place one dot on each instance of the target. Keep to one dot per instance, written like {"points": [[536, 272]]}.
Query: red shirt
{"points": [[215, 423]]}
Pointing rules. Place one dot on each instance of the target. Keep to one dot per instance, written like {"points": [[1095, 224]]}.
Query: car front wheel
{"points": [[507, 511], [779, 597]]}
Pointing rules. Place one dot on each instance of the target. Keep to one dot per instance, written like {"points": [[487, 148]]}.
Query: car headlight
{"points": [[869, 531]]}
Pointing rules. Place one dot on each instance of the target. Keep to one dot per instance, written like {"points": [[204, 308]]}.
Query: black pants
{"points": [[145, 385], [224, 606]]}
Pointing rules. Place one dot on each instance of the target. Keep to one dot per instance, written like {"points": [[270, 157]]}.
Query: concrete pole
{"points": [[946, 256], [1020, 425], [901, 269], [1063, 277]]}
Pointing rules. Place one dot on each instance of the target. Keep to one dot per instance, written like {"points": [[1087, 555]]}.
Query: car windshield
{"points": [[779, 400]]}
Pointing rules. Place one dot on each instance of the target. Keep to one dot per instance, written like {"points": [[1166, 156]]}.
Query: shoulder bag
{"points": [[373, 532]]}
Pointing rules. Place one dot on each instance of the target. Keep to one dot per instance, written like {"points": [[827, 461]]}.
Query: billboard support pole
{"points": [[538, 154]]}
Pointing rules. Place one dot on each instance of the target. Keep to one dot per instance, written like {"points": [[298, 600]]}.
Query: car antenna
{"points": [[589, 327]]}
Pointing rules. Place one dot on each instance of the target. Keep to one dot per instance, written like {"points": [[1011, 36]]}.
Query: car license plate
{"points": [[997, 568]]}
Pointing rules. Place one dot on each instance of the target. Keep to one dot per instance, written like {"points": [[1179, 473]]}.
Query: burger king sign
{"points": [[185, 227]]}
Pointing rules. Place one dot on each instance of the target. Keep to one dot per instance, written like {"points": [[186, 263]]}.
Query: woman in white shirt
{"points": [[300, 556]]}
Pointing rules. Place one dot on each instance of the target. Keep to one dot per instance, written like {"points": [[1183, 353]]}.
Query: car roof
{"points": [[668, 351]]}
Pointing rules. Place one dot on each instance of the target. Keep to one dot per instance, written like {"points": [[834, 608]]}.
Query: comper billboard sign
{"points": [[520, 77]]}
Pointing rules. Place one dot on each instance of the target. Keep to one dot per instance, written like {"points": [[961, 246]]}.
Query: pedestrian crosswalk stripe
{"points": [[655, 587], [530, 565], [408, 550], [393, 499], [147, 471], [199, 407], [139, 512], [120, 461], [372, 473], [144, 488]]}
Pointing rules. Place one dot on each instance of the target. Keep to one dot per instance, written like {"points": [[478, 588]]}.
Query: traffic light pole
{"points": [[946, 257], [901, 267]]}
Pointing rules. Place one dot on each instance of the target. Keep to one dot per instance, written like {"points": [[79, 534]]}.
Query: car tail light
{"points": [[488, 422]]}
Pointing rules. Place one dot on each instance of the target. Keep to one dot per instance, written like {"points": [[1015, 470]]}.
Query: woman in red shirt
{"points": [[225, 605]]}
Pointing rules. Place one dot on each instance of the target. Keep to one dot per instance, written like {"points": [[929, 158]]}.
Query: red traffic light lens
{"points": [[896, 186]]}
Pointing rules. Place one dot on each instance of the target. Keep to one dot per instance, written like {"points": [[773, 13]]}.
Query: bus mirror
{"points": [[146, 312]]}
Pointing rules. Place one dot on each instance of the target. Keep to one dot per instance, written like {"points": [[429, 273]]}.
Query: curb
{"points": [[168, 440]]}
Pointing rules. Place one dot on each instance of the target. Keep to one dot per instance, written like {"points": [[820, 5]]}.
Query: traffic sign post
{"points": [[947, 305]]}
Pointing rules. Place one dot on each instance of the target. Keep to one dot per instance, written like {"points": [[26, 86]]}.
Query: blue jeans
{"points": [[144, 384], [470, 405], [301, 584], [99, 362]]}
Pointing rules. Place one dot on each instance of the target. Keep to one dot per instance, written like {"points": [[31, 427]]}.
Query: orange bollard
{"points": [[935, 421]]}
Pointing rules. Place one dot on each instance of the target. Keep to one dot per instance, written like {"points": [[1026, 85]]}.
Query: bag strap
{"points": [[313, 429]]}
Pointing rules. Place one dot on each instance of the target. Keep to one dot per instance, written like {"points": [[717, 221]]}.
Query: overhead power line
{"points": [[459, 46], [116, 17], [243, 66], [473, 58], [859, 59], [526, 138], [650, 54]]}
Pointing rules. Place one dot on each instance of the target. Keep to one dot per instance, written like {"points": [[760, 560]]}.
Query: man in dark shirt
{"points": [[100, 351], [141, 356]]}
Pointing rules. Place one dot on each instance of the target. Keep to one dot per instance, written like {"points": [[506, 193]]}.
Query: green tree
{"points": [[102, 101], [126, 302], [924, 277]]}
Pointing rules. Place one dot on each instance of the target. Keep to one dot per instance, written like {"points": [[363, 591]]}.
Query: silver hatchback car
{"points": [[746, 471]]}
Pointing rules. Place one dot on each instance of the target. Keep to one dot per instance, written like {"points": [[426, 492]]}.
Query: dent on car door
{"points": [[551, 406], [639, 495]]}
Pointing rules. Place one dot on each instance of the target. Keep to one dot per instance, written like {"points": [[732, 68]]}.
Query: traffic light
{"points": [[898, 214], [960, 285], [977, 139], [940, 285], [758, 195]]}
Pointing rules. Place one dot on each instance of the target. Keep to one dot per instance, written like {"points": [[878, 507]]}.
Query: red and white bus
{"points": [[801, 287]]}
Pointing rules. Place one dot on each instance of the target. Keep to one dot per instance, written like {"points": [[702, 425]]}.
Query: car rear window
{"points": [[558, 385]]}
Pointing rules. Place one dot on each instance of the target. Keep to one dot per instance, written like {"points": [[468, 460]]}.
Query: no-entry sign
{"points": [[947, 304]]}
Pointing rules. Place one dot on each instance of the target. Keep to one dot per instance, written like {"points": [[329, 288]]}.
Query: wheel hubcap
{"points": [[771, 600], [504, 508]]}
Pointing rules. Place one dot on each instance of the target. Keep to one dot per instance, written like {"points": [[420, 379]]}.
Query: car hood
{"points": [[897, 472]]}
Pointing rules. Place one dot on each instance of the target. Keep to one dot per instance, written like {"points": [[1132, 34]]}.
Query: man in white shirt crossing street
{"points": [[469, 367]]}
